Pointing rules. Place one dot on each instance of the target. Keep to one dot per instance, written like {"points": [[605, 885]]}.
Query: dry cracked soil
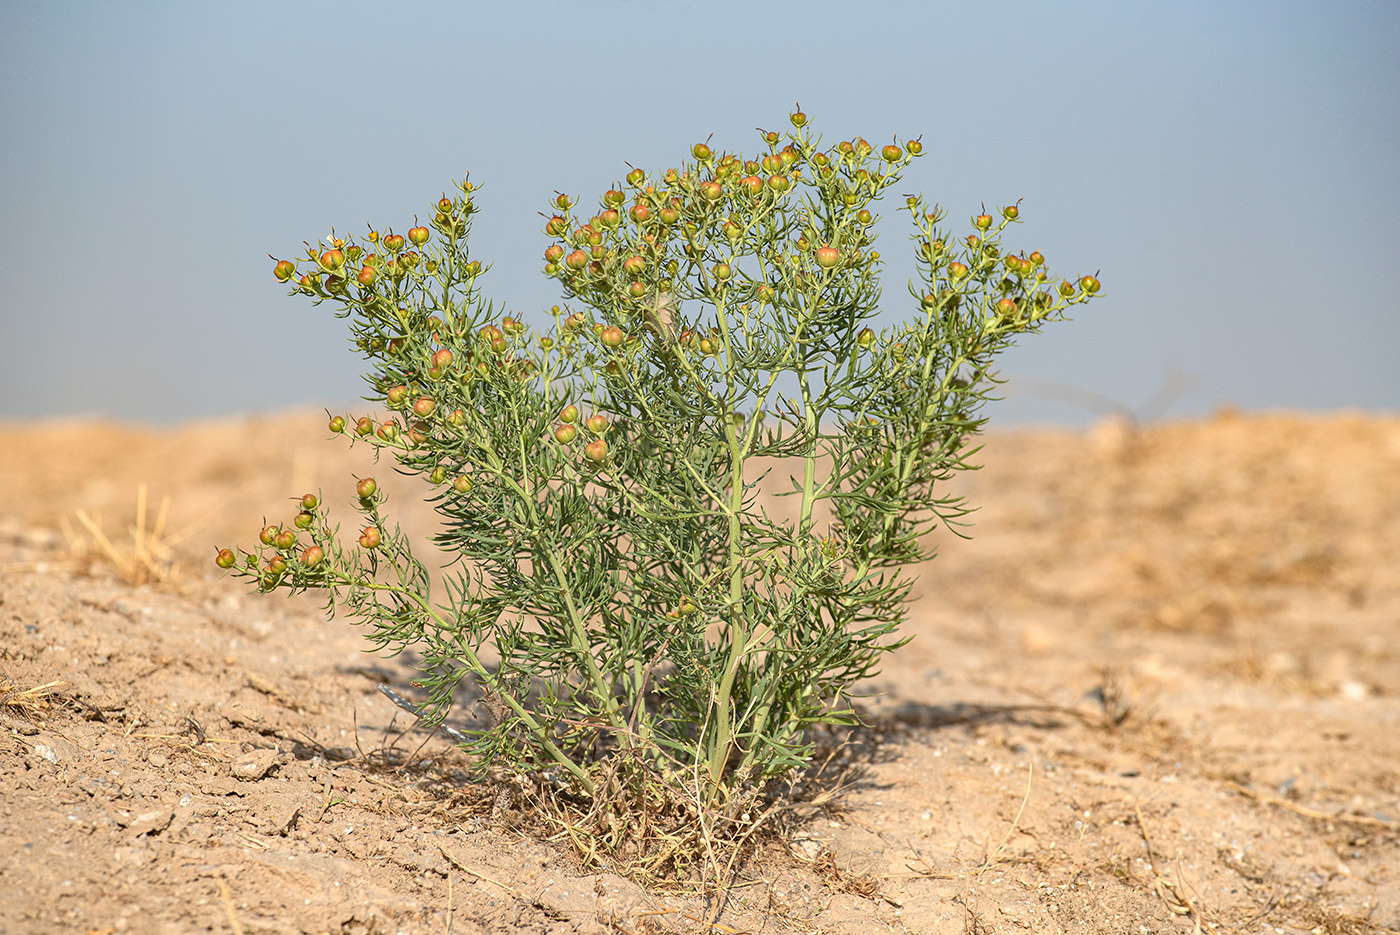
{"points": [[1157, 691]]}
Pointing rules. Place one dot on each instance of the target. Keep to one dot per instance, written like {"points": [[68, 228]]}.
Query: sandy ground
{"points": [[1159, 691]]}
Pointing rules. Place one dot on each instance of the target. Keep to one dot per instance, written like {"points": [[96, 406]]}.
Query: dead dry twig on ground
{"points": [[1266, 799], [226, 898], [1174, 896], [995, 857]]}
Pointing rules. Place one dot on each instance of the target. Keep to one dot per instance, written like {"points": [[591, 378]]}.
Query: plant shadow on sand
{"points": [[1138, 699]]}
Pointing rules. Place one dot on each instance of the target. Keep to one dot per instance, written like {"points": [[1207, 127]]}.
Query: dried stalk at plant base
{"points": [[622, 598]]}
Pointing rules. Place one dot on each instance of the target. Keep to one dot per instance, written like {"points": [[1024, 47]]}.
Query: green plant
{"points": [[624, 597]]}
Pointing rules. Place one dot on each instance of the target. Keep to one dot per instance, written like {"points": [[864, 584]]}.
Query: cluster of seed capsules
{"points": [[624, 249], [283, 554], [334, 269], [1023, 280]]}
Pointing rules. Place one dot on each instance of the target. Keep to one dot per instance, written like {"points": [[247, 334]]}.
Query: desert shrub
{"points": [[621, 596]]}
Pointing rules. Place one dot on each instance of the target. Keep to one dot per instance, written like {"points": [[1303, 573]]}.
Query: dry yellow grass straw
{"points": [[449, 902], [995, 857], [926, 869], [105, 544], [1173, 896], [150, 557], [227, 899], [27, 702]]}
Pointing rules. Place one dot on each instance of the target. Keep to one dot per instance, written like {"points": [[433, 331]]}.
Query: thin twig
{"points": [[1177, 901], [1306, 812], [469, 871], [417, 712], [715, 926], [996, 854], [227, 898]]}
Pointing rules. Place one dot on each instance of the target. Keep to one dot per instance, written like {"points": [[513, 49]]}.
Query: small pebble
{"points": [[1353, 691], [150, 823], [253, 766]]}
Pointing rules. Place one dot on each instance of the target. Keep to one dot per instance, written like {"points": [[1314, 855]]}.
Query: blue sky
{"points": [[1231, 168]]}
